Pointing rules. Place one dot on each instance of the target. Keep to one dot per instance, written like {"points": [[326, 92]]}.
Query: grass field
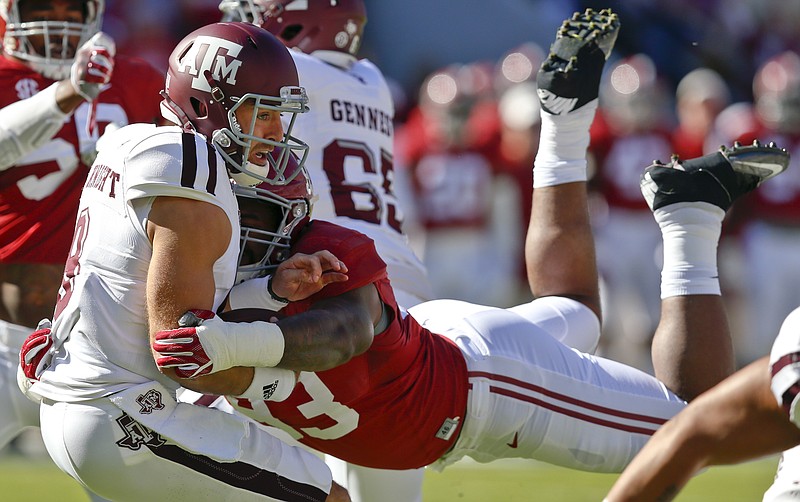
{"points": [[25, 480]]}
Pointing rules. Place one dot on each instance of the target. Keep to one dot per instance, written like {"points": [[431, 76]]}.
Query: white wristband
{"points": [[254, 294], [270, 384], [258, 344]]}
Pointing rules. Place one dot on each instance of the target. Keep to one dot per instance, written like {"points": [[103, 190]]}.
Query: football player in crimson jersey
{"points": [[350, 163], [383, 387], [157, 232], [57, 73]]}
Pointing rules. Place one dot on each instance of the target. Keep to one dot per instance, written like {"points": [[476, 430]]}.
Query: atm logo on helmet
{"points": [[216, 55]]}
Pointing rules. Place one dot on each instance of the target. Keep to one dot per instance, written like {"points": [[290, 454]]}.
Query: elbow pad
{"points": [[28, 124]]}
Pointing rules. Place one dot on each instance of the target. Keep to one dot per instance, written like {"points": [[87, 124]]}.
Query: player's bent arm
{"points": [[30, 123], [332, 331], [737, 420], [188, 236]]}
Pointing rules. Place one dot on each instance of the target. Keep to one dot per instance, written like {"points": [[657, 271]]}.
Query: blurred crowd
{"points": [[686, 77]]}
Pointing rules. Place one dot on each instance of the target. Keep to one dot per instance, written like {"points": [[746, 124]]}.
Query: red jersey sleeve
{"points": [[355, 249]]}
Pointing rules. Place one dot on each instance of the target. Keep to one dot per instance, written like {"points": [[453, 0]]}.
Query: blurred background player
{"points": [[700, 97], [770, 218], [471, 219], [61, 85], [630, 131], [350, 130]]}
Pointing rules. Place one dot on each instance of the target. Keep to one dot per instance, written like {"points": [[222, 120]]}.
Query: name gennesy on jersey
{"points": [[362, 116]]}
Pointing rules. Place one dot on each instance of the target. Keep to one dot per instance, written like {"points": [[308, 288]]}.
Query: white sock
{"points": [[691, 233], [562, 147]]}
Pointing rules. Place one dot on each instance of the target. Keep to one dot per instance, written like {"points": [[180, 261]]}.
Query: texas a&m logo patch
{"points": [[216, 55], [149, 401], [137, 434]]}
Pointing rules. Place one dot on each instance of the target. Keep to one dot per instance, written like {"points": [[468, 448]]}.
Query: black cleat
{"points": [[718, 178], [570, 76]]}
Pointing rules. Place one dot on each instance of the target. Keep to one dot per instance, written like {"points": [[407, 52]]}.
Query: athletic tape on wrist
{"points": [[270, 384], [254, 293], [257, 344]]}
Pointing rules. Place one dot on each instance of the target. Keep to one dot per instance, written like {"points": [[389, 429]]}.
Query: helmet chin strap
{"points": [[245, 179]]}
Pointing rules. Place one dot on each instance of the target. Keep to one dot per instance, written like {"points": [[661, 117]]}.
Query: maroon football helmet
{"points": [[220, 67], [309, 25], [262, 249]]}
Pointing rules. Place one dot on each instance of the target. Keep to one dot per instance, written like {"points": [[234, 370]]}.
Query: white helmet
{"points": [[60, 38]]}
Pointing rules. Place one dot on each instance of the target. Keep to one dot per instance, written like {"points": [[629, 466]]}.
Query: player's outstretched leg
{"points": [[692, 349], [559, 248]]}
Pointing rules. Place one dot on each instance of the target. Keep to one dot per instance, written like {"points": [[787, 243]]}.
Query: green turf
{"points": [[23, 480], [526, 481]]}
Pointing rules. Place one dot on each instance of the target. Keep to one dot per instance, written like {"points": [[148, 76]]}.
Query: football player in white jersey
{"points": [[60, 89], [751, 414], [158, 232], [350, 131], [692, 350]]}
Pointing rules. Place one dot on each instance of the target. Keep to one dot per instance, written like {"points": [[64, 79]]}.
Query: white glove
{"points": [[93, 66]]}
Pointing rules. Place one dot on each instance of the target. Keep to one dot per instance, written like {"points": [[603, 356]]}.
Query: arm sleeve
{"points": [[28, 124]]}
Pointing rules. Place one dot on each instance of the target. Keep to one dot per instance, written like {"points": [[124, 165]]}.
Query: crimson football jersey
{"points": [[39, 195], [621, 159], [395, 406]]}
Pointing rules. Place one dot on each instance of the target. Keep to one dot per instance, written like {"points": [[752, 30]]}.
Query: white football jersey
{"points": [[351, 134], [785, 367], [101, 304]]}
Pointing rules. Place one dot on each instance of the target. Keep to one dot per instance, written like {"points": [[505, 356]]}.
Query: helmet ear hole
{"points": [[291, 31], [199, 107]]}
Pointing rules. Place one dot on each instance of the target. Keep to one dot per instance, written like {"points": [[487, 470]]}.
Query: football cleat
{"points": [[570, 76], [718, 178]]}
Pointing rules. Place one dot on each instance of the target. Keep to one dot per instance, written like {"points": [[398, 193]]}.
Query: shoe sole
{"points": [[764, 162], [600, 27]]}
